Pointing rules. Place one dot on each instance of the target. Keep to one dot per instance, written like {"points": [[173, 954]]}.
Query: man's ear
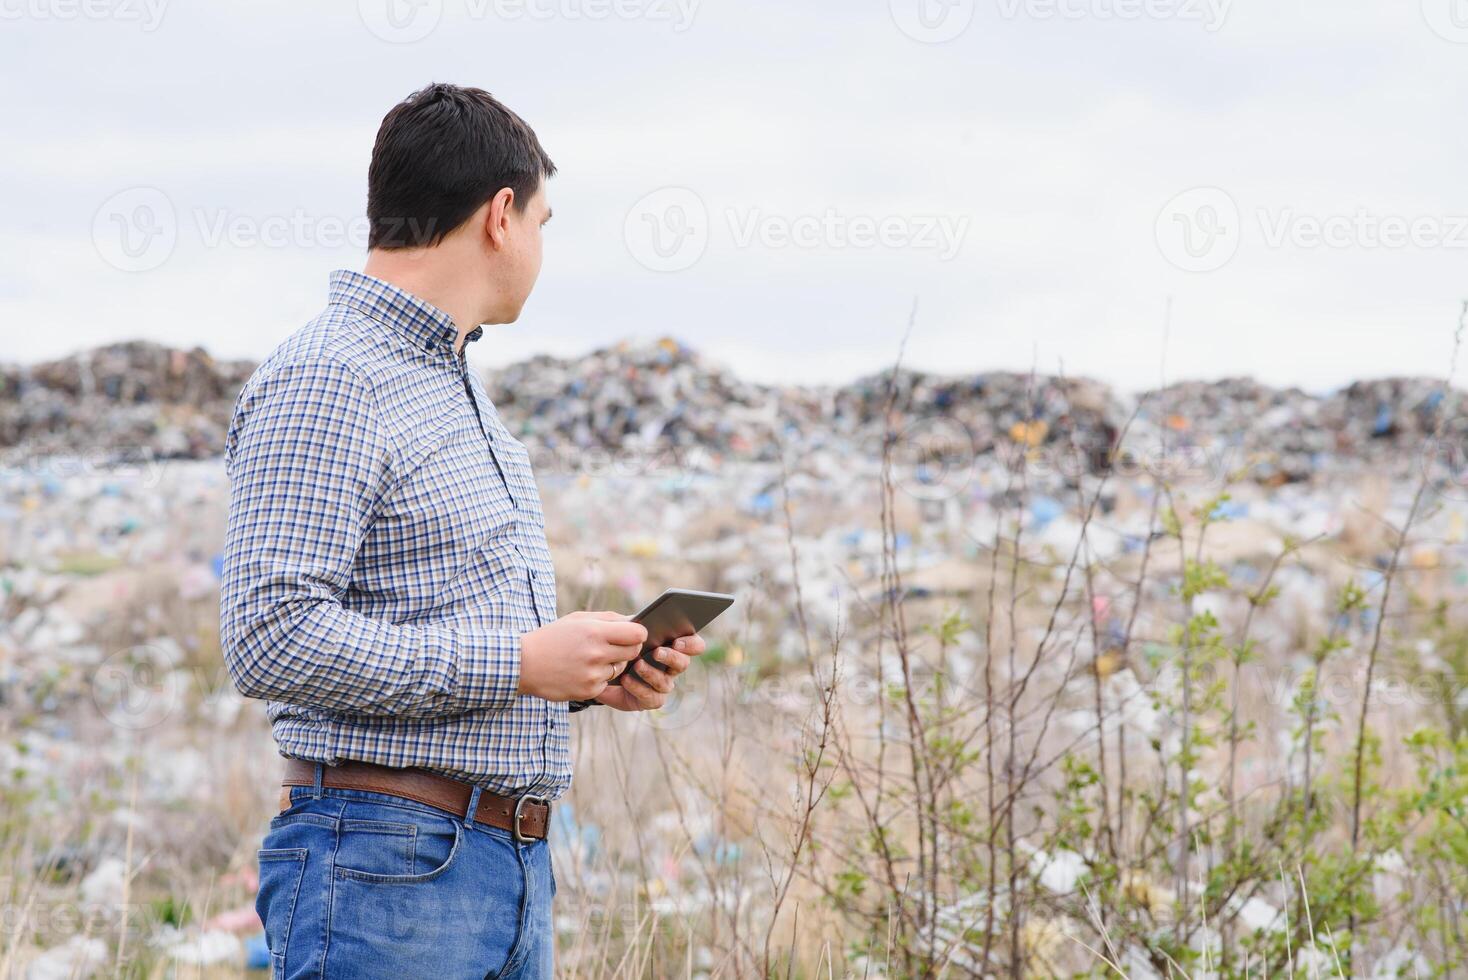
{"points": [[497, 217]]}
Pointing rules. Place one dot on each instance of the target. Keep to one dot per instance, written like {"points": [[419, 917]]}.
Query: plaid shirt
{"points": [[385, 551]]}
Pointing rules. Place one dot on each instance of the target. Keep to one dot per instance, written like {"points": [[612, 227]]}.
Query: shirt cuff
{"points": [[489, 669]]}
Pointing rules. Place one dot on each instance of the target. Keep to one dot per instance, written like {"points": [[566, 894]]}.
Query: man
{"points": [[388, 588]]}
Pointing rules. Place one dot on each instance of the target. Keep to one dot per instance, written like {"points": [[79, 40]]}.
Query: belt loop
{"points": [[473, 807], [316, 786]]}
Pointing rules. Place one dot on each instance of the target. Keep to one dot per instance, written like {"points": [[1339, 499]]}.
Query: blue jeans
{"points": [[356, 884]]}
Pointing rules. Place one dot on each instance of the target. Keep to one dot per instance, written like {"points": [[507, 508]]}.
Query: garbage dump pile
{"points": [[1284, 435], [109, 590], [123, 401], [141, 399], [665, 394], [631, 397]]}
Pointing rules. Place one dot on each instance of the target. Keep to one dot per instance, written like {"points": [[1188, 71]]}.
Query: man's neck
{"points": [[412, 272]]}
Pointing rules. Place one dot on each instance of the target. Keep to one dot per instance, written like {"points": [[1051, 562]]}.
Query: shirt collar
{"points": [[425, 325]]}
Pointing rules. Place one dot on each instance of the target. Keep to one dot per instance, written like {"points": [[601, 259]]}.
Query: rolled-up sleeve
{"points": [[309, 462]]}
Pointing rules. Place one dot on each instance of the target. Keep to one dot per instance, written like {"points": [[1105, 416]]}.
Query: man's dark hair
{"points": [[441, 153]]}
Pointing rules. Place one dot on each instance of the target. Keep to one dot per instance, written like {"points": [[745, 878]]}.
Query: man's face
{"points": [[522, 258]]}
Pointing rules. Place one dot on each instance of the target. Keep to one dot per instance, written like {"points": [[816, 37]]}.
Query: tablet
{"points": [[675, 613]]}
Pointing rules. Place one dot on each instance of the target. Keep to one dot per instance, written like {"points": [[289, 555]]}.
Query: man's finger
{"points": [[619, 654], [624, 634], [676, 662], [691, 645], [652, 677], [643, 691]]}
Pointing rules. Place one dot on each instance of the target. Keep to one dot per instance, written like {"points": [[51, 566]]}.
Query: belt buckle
{"points": [[519, 813]]}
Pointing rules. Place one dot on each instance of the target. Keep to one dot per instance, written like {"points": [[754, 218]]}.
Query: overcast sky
{"points": [[776, 182]]}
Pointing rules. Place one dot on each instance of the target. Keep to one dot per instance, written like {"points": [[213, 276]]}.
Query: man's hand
{"points": [[644, 687], [573, 658]]}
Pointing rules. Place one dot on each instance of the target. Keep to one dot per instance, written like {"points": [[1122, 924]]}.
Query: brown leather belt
{"points": [[526, 816]]}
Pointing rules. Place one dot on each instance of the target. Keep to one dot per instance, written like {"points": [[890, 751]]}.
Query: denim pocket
{"points": [[380, 847], [433, 854], [281, 871], [460, 919]]}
